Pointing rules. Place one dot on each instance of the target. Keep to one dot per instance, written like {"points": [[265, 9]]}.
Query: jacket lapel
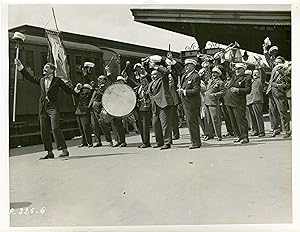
{"points": [[54, 80], [185, 80]]}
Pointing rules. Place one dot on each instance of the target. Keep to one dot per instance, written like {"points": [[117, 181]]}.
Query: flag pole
{"points": [[54, 19]]}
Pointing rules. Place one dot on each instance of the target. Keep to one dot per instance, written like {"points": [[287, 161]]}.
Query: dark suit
{"points": [[162, 102], [48, 110], [84, 115], [278, 100], [236, 104], [255, 100], [191, 102], [215, 89], [144, 113]]}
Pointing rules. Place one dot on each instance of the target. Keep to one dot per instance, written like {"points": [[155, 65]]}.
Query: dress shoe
{"points": [[82, 145], [245, 140], [194, 146], [275, 132], [219, 138], [207, 138], [123, 145], [64, 154], [286, 135], [165, 146], [238, 140], [175, 137], [145, 145], [110, 144], [90, 145], [116, 145], [229, 134], [262, 134], [97, 145], [48, 156], [157, 145], [255, 134]]}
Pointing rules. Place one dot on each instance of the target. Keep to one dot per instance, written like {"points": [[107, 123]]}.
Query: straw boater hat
{"points": [[120, 78], [241, 65], [190, 61], [273, 48], [89, 64], [248, 72], [18, 36], [155, 58], [217, 70]]}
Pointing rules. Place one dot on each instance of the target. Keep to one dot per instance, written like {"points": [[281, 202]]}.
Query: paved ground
{"points": [[219, 183]]}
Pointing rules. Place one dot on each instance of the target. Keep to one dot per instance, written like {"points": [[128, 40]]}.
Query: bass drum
{"points": [[119, 100], [104, 117]]}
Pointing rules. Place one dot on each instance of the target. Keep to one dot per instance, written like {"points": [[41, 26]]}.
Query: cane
{"points": [[18, 37]]}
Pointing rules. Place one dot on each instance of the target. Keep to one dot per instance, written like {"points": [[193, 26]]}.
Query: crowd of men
{"points": [[219, 90]]}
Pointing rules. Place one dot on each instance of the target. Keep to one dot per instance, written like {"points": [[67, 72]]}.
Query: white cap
{"points": [[205, 64], [137, 65], [155, 58], [19, 36], [170, 62], [89, 64], [215, 69], [241, 65], [273, 48], [120, 78], [248, 72], [190, 61]]}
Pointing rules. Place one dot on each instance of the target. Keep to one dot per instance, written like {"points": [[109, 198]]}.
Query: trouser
{"points": [[49, 120], [226, 118], [162, 125], [118, 130], [280, 101], [96, 127], [192, 118], [144, 122], [290, 106], [97, 106], [274, 114], [213, 120], [84, 122], [238, 120], [248, 117], [175, 121], [257, 118]]}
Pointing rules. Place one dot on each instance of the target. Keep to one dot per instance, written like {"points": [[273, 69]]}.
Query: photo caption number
{"points": [[27, 211], [20, 211], [42, 210], [32, 211]]}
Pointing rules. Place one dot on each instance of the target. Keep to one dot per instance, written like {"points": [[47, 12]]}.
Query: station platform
{"points": [[220, 183]]}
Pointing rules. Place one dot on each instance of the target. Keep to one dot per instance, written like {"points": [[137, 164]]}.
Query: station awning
{"points": [[248, 28]]}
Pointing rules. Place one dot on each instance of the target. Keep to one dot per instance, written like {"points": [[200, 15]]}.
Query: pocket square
{"points": [[189, 82]]}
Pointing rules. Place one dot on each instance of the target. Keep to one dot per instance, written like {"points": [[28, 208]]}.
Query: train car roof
{"points": [[96, 41], [31, 39]]}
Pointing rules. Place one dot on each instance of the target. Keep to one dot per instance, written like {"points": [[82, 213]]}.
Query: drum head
{"points": [[119, 100]]}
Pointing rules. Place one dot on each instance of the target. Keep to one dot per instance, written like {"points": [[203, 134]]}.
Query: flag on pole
{"points": [[57, 54]]}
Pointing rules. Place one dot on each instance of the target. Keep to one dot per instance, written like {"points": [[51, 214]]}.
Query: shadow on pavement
{"points": [[92, 156], [213, 145]]}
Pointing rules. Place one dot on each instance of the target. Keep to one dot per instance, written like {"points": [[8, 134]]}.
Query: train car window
{"points": [[97, 66], [29, 59], [78, 60], [44, 58]]}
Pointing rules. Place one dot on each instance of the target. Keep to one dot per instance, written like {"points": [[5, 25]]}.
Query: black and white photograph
{"points": [[149, 114]]}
